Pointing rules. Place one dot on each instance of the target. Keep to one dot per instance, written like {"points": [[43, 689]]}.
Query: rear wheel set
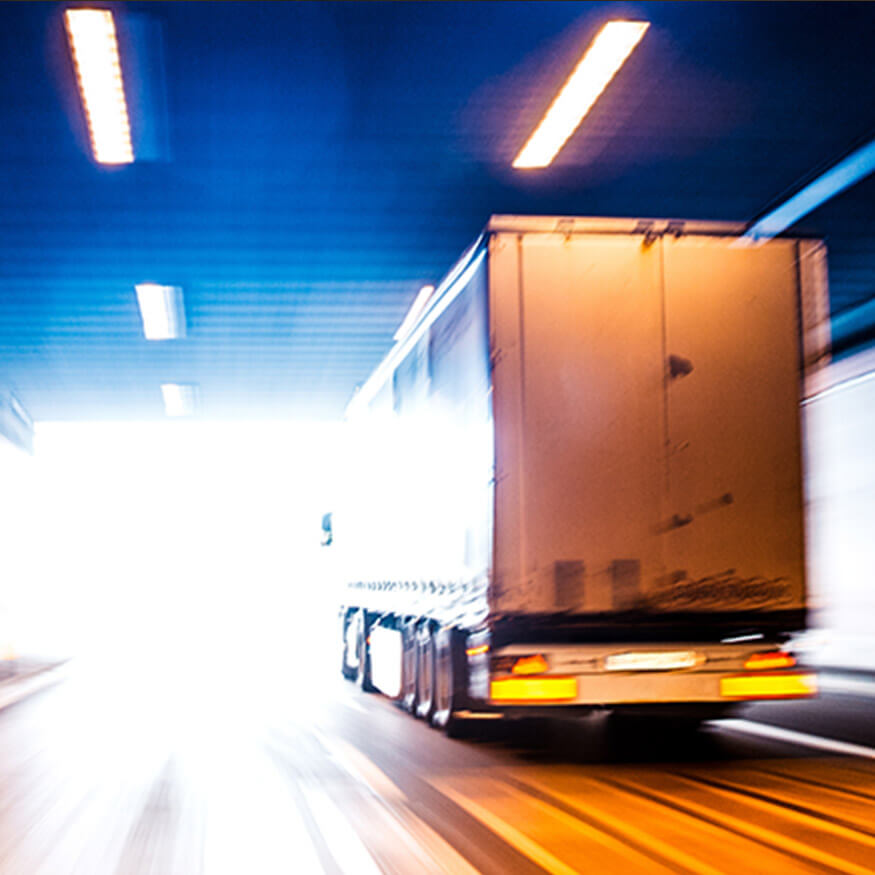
{"points": [[425, 672], [437, 691]]}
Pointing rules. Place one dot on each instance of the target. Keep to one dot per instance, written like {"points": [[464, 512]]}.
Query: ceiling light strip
{"points": [[180, 399], [161, 310], [94, 47], [599, 64], [846, 173]]}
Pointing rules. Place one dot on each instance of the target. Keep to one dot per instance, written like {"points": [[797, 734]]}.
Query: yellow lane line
{"points": [[768, 836], [808, 820], [360, 767], [432, 850], [664, 849], [344, 845], [572, 823], [521, 842]]}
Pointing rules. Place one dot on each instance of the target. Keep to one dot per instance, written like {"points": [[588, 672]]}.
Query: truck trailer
{"points": [[575, 481]]}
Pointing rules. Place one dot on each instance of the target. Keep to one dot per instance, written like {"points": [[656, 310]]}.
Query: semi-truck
{"points": [[575, 481]]}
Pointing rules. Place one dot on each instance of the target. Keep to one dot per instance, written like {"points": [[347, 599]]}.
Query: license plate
{"points": [[653, 661]]}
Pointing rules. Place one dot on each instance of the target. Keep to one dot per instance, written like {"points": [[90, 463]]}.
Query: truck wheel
{"points": [[425, 669], [363, 672], [446, 694], [346, 669], [408, 666]]}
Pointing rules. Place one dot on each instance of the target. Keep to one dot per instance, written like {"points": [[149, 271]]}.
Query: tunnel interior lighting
{"points": [[599, 64], [846, 173], [94, 48], [415, 311], [161, 310], [180, 399]]}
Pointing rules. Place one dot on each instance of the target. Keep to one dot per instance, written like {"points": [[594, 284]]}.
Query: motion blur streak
{"points": [[613, 44], [250, 767], [196, 736], [858, 165], [99, 74]]}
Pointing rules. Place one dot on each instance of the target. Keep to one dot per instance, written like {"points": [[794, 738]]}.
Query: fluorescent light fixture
{"points": [[180, 399], [855, 167], [94, 47], [415, 311], [161, 310], [599, 64]]}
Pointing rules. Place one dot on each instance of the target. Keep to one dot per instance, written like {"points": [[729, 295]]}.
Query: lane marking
{"points": [[351, 703], [14, 690], [595, 834], [853, 793], [517, 840], [766, 836], [427, 851], [852, 686], [360, 767], [810, 820], [786, 804], [342, 841], [252, 821], [793, 737], [663, 849], [428, 845]]}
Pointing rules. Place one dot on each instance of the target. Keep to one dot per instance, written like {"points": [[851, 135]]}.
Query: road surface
{"points": [[107, 774]]}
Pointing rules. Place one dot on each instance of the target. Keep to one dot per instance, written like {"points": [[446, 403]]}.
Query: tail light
{"points": [[771, 660], [530, 665]]}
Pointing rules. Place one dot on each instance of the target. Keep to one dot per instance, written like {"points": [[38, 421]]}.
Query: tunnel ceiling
{"points": [[302, 169]]}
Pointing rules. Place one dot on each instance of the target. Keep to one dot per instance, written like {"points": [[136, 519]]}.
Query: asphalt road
{"points": [[108, 774]]}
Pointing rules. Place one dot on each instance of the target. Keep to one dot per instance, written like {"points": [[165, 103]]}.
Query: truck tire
{"points": [[363, 672], [347, 670], [447, 689], [425, 669], [408, 666]]}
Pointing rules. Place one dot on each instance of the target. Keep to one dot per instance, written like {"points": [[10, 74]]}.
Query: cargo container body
{"points": [[576, 479]]}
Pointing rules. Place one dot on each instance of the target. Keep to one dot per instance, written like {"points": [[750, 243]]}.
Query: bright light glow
{"points": [[846, 173], [179, 546], [769, 686], [553, 689], [479, 650], [179, 399], [776, 659], [161, 310], [98, 71], [599, 64], [415, 311], [530, 665]]}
